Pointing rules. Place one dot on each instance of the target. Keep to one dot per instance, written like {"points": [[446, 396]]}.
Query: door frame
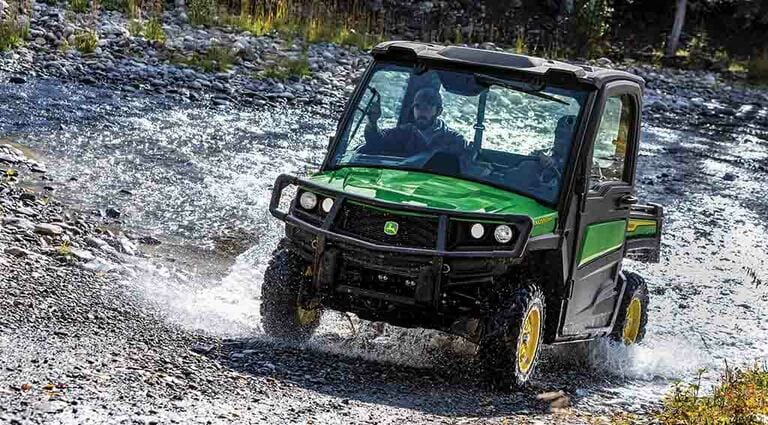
{"points": [[614, 257]]}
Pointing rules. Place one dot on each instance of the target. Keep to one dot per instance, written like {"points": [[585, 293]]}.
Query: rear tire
{"points": [[281, 315], [510, 348], [632, 316]]}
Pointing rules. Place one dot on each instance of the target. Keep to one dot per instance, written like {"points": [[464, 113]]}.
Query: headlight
{"points": [[327, 204], [503, 233], [308, 200], [477, 230]]}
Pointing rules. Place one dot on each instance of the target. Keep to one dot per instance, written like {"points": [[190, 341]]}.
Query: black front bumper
{"points": [[434, 287]]}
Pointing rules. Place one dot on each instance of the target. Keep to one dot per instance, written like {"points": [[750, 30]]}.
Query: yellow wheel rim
{"points": [[632, 321], [529, 340]]}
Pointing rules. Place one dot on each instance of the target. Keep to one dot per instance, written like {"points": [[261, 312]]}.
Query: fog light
{"points": [[327, 204], [477, 231], [503, 233], [308, 200]]}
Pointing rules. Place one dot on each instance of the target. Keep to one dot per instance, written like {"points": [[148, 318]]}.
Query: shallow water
{"points": [[199, 179]]}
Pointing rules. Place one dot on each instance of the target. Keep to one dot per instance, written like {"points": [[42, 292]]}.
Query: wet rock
{"points": [[48, 229], [729, 177], [111, 212], [18, 252], [17, 80]]}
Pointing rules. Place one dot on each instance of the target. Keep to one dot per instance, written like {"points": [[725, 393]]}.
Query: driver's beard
{"points": [[424, 123]]}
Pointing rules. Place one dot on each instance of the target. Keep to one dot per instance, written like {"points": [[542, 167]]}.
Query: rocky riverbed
{"points": [[134, 233]]}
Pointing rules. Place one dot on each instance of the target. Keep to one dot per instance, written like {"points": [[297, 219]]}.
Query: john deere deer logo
{"points": [[390, 228]]}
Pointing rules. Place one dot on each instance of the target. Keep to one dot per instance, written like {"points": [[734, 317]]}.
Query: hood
{"points": [[435, 191]]}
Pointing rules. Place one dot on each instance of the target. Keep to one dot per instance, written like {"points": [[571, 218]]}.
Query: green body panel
{"points": [[600, 239], [637, 228], [435, 191]]}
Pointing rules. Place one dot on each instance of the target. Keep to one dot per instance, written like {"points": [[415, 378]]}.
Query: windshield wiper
{"points": [[489, 80]]}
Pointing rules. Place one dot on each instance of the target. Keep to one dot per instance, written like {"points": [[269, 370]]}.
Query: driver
{"points": [[426, 134]]}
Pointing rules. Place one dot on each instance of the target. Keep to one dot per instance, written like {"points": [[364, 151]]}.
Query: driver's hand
{"points": [[375, 112]]}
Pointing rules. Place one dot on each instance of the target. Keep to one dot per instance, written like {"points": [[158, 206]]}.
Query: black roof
{"points": [[520, 64]]}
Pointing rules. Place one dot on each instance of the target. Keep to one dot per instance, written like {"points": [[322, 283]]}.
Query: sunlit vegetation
{"points": [[216, 58], [285, 68], [78, 6], [592, 25], [202, 12], [86, 41], [12, 32], [153, 29], [741, 397], [310, 21]]}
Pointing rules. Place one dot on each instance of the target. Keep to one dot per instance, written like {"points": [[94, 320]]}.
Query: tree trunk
{"points": [[677, 28]]}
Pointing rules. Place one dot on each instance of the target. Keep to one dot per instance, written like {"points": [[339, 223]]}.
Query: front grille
{"points": [[368, 224]]}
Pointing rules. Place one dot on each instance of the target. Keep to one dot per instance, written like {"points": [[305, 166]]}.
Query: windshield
{"points": [[505, 132]]}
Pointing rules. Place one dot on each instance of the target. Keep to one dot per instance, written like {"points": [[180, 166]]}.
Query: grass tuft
{"points": [[86, 41], [201, 12], [285, 68], [78, 6], [153, 30], [12, 33], [215, 59], [741, 397]]}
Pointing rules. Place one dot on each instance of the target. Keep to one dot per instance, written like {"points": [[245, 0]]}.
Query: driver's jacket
{"points": [[407, 140]]}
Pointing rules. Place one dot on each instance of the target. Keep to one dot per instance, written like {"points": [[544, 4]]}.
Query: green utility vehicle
{"points": [[481, 193]]}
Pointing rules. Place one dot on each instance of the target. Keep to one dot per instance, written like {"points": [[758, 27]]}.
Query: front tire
{"points": [[632, 316], [511, 345], [281, 315]]}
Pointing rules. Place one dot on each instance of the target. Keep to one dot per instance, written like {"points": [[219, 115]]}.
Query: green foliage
{"points": [[520, 47], [135, 28], [593, 19], [201, 12], [78, 6], [153, 30], [216, 58], [757, 67], [285, 68], [740, 398], [86, 41], [12, 33], [458, 35], [133, 9], [118, 5]]}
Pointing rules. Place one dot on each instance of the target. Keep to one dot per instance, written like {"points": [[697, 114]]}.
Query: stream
{"points": [[198, 179]]}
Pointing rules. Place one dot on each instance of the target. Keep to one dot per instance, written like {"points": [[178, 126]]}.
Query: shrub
{"points": [[78, 6], [592, 24], [741, 397], [86, 41], [153, 30]]}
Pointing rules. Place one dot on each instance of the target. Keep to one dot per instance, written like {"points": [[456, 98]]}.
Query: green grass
{"points": [[118, 5], [135, 28], [285, 68], [12, 33], [741, 397], [153, 30], [215, 59], [133, 9], [201, 12], [78, 6], [86, 41]]}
